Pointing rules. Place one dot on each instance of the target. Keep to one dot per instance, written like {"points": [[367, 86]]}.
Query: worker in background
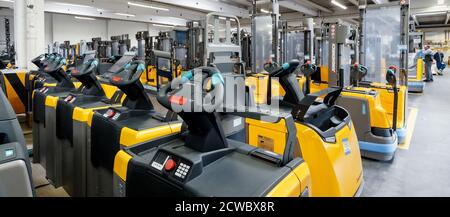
{"points": [[428, 59], [439, 58]]}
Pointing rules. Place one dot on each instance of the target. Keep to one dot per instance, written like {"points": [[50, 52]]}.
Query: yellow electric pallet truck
{"points": [[46, 150], [325, 135], [201, 161], [44, 109], [114, 128], [395, 106], [386, 95], [377, 138], [72, 113]]}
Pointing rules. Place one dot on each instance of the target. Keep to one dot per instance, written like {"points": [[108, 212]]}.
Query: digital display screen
{"points": [[9, 152], [161, 158], [159, 161]]}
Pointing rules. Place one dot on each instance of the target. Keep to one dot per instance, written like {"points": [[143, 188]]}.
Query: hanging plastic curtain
{"points": [[382, 40], [295, 46], [262, 39]]}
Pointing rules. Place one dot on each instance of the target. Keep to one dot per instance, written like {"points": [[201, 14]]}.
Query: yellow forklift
{"points": [[416, 68], [162, 55]]}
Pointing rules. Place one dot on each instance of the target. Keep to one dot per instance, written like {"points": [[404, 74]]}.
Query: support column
{"points": [[362, 15], [35, 31], [20, 39], [309, 24]]}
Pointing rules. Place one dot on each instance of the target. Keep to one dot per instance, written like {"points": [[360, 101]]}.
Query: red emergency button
{"points": [[170, 165], [110, 113]]}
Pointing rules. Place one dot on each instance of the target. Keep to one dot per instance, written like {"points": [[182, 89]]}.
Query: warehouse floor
{"points": [[421, 166]]}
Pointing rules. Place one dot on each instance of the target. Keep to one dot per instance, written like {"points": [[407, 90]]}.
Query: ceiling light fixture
{"points": [[339, 4], [73, 5], [440, 2], [147, 6], [126, 15], [264, 11], [161, 25], [6, 0], [431, 13], [85, 18]]}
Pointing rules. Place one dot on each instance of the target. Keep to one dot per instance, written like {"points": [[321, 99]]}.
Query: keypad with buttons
{"points": [[182, 170]]}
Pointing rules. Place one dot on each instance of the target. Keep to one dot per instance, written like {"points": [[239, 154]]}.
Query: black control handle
{"points": [[391, 78]]}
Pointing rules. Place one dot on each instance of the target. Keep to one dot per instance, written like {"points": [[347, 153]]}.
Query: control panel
{"points": [[171, 165], [70, 99], [112, 114], [44, 90]]}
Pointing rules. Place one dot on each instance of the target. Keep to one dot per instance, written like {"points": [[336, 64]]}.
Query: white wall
{"points": [[60, 27], [48, 20], [435, 36], [67, 28], [118, 27]]}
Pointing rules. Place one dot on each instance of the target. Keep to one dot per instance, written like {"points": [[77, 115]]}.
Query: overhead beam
{"points": [[415, 20], [242, 2], [379, 2], [314, 5], [7, 4], [354, 2], [429, 9], [351, 21], [433, 26], [298, 7], [209, 6], [294, 16]]}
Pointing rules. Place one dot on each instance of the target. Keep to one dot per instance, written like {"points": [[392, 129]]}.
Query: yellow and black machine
{"points": [[71, 136], [416, 68], [270, 49], [336, 49], [114, 128], [59, 110], [377, 138], [162, 56], [197, 160], [325, 134], [44, 112], [13, 83], [273, 135]]}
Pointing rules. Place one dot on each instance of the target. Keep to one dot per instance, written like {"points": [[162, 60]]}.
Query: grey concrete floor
{"points": [[423, 169]]}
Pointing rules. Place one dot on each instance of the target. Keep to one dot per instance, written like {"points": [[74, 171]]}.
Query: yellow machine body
{"points": [[292, 185], [379, 118], [151, 76], [415, 82], [419, 70], [129, 137], [15, 89], [259, 84], [387, 101], [333, 173], [323, 84]]}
